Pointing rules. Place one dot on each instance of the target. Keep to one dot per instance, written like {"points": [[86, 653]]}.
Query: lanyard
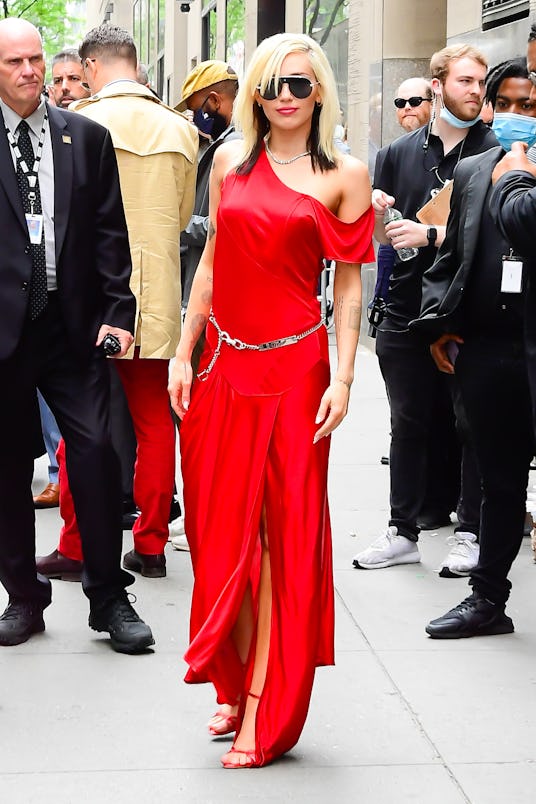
{"points": [[31, 175]]}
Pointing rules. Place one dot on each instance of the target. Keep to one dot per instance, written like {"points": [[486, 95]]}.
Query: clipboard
{"points": [[436, 211]]}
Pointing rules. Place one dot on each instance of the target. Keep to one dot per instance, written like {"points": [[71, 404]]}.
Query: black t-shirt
{"points": [[486, 310], [408, 172]]}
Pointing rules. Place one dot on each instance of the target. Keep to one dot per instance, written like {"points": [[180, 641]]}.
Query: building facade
{"points": [[372, 45]]}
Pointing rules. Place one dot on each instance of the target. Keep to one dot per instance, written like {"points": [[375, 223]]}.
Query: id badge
{"points": [[512, 275], [35, 228]]}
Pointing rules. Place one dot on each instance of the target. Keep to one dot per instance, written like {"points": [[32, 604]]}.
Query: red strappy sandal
{"points": [[225, 725], [251, 757]]}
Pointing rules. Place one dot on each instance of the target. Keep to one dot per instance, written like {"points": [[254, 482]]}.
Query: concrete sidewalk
{"points": [[401, 718]]}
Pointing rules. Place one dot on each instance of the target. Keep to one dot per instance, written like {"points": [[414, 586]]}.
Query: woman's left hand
{"points": [[333, 408]]}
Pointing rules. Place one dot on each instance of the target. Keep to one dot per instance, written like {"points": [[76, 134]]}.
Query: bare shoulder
{"points": [[354, 186], [352, 169], [227, 156]]}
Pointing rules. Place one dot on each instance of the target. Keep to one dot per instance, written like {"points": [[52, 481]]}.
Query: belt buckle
{"points": [[264, 347]]}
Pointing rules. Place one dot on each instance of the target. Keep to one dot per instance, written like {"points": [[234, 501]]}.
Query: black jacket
{"points": [[92, 249], [194, 236], [513, 208], [444, 283]]}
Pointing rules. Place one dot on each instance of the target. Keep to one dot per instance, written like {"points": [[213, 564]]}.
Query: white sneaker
{"points": [[176, 527], [463, 556], [180, 542], [389, 549], [177, 535]]}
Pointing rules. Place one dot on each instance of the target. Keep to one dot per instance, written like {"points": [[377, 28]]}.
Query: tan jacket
{"points": [[156, 151]]}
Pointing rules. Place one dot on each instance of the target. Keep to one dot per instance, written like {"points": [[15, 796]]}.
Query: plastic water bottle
{"points": [[391, 214]]}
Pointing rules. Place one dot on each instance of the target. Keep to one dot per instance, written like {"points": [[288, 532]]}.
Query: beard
{"points": [[219, 126], [459, 108], [411, 123]]}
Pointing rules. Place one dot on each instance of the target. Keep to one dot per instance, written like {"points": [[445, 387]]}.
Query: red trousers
{"points": [[145, 383]]}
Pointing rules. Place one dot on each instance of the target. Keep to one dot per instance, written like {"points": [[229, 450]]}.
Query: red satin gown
{"points": [[247, 447]]}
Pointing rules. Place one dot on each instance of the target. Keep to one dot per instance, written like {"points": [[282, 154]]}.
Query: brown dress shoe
{"points": [[59, 567], [49, 497], [153, 566]]}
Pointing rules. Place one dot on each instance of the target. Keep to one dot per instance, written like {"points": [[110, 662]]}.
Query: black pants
{"points": [[78, 395], [413, 386], [123, 436], [494, 384], [470, 499]]}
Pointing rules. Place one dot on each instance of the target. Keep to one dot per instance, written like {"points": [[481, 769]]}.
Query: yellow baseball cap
{"points": [[204, 75]]}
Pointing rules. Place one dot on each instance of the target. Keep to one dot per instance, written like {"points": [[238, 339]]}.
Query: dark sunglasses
{"points": [[299, 85], [415, 101]]}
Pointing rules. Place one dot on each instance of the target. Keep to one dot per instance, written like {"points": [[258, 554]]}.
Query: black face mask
{"points": [[212, 123], [219, 124]]}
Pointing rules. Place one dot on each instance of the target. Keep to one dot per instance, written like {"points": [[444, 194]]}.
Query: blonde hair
{"points": [[440, 61], [266, 64]]}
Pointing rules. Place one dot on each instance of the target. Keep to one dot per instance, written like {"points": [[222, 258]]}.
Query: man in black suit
{"points": [[473, 299], [64, 286]]}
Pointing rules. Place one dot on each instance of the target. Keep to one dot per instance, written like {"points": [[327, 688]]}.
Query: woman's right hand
{"points": [[180, 386]]}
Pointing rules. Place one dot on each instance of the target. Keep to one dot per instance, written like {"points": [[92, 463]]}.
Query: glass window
{"points": [[136, 23], [144, 32], [161, 24], [209, 23], [153, 16], [327, 22], [235, 35]]}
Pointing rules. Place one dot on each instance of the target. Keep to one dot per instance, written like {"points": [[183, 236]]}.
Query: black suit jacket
{"points": [[513, 208], [92, 249], [444, 282]]}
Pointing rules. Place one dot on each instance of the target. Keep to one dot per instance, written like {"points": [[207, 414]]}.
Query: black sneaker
{"points": [[474, 616], [128, 632], [19, 621]]}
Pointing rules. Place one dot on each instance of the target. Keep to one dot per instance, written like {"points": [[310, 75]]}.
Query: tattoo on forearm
{"points": [[206, 297], [211, 230], [354, 314], [198, 324], [339, 302]]}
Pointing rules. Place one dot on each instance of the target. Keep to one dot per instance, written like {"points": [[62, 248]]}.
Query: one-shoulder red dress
{"points": [[247, 447]]}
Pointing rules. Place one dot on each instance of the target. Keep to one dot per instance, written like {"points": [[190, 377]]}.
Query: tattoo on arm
{"points": [[354, 314], [211, 230], [197, 325], [339, 302]]}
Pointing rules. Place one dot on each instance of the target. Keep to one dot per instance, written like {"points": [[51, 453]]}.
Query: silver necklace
{"points": [[284, 161]]}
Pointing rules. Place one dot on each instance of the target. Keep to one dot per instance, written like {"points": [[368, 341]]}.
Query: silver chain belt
{"points": [[236, 343]]}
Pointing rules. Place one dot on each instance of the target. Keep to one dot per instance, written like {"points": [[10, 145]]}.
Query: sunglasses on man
{"points": [[416, 100], [299, 85]]}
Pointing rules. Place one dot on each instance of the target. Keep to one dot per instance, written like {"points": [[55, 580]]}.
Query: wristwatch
{"points": [[431, 234]]}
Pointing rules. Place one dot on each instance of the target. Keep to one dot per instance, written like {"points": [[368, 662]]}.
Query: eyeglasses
{"points": [[299, 85], [414, 101], [532, 77]]}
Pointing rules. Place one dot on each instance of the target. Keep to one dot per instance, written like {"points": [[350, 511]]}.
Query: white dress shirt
{"points": [[45, 176]]}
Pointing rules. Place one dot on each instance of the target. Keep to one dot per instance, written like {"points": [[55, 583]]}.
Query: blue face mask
{"points": [[509, 127], [203, 121], [454, 121]]}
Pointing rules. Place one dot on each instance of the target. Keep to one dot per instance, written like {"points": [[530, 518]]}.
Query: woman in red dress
{"points": [[255, 438]]}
